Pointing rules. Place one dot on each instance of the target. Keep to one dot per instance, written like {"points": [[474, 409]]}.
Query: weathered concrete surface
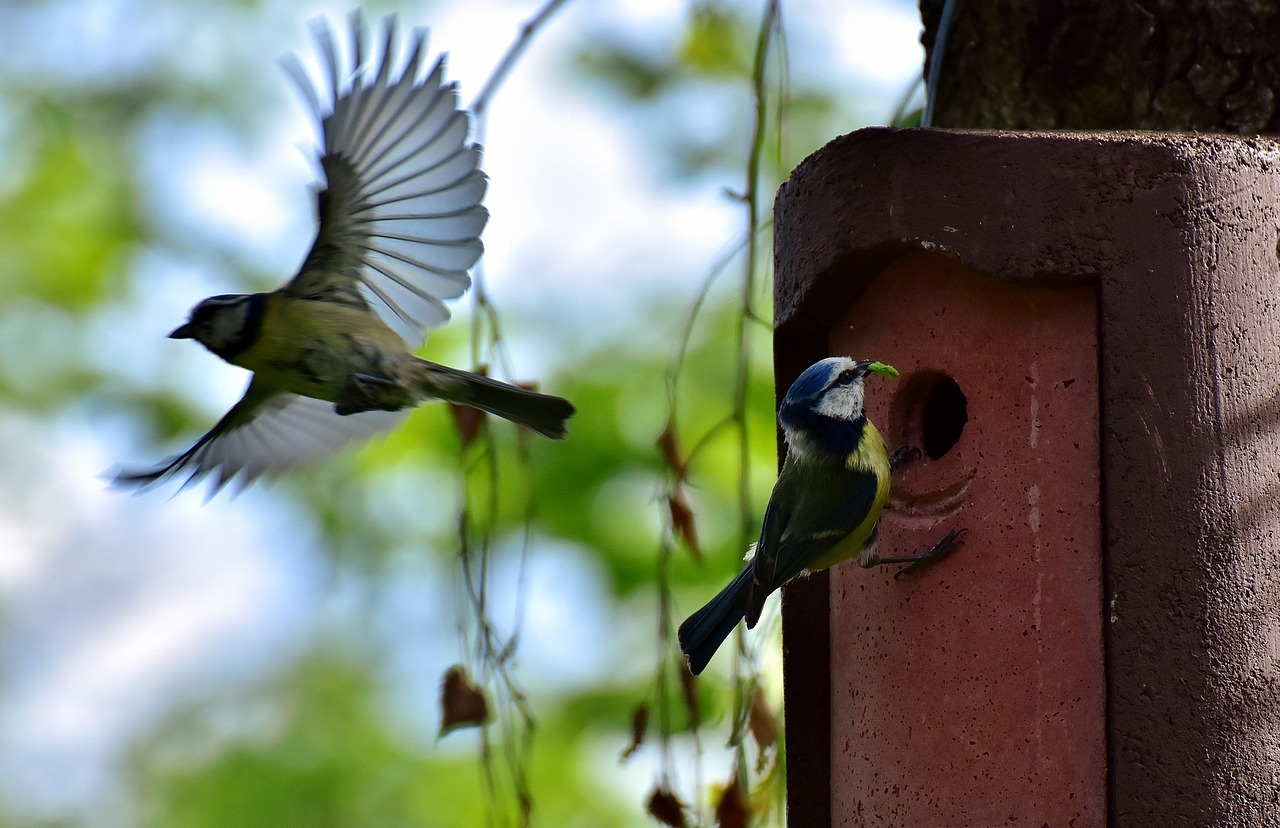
{"points": [[974, 690]]}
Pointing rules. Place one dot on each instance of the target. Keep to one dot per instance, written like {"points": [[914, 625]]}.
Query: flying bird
{"points": [[400, 217]]}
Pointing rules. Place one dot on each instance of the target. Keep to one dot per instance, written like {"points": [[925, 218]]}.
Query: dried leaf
{"points": [[667, 808], [732, 810], [639, 724], [468, 421], [682, 522], [763, 724], [462, 704], [689, 687], [670, 448]]}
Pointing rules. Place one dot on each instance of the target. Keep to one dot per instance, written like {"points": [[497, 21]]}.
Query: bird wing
{"points": [[803, 524], [400, 213], [266, 432]]}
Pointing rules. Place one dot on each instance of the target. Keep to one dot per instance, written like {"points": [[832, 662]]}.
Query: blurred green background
{"points": [[275, 658]]}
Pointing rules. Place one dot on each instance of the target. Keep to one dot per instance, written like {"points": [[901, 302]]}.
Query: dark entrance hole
{"points": [[934, 411]]}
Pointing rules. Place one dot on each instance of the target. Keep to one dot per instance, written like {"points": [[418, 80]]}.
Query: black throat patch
{"points": [[838, 438]]}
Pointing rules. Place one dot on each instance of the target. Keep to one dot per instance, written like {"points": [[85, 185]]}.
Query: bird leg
{"points": [[903, 455], [367, 392], [933, 554]]}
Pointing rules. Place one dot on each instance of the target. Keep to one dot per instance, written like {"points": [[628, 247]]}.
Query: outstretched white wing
{"points": [[265, 433], [401, 214]]}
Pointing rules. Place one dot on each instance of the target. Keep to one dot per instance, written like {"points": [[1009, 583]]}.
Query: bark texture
{"points": [[1184, 65]]}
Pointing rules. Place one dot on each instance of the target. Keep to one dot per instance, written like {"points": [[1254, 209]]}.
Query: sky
{"points": [[110, 622]]}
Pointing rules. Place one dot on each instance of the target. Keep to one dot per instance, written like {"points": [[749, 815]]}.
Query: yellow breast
{"points": [[313, 347], [871, 457]]}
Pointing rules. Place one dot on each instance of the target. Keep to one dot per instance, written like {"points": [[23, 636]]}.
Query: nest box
{"points": [[1088, 330]]}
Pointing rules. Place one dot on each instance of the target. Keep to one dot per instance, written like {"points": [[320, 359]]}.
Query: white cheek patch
{"points": [[842, 403]]}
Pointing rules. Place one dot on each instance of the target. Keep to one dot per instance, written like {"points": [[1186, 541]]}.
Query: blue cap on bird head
{"points": [[818, 376]]}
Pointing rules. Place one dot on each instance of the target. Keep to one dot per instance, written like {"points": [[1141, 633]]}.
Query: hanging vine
{"points": [[754, 792], [495, 700]]}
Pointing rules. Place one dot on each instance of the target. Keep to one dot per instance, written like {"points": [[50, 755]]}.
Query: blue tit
{"points": [[400, 217], [824, 508]]}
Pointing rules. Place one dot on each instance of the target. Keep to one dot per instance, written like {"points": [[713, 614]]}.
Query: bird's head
{"points": [[826, 399], [226, 324]]}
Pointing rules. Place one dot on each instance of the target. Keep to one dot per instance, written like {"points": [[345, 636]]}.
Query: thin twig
{"points": [[514, 717], [736, 418], [751, 193], [499, 74], [751, 196], [900, 111]]}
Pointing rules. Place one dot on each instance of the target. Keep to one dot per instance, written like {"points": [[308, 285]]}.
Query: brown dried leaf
{"points": [[468, 421], [763, 724], [667, 808], [682, 522], [462, 704], [689, 688], [670, 448], [732, 809], [639, 724]]}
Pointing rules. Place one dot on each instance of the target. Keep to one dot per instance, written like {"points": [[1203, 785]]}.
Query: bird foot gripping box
{"points": [[1088, 329]]}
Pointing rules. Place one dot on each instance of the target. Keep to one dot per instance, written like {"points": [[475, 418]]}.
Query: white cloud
{"points": [[879, 42]]}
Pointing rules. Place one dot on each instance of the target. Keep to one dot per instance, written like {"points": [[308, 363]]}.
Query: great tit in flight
{"points": [[824, 508], [400, 217]]}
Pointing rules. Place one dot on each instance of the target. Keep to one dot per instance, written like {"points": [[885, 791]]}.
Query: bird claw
{"points": [[903, 455], [367, 392], [952, 541]]}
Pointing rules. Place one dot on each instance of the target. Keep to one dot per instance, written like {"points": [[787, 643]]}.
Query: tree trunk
{"points": [[1187, 65]]}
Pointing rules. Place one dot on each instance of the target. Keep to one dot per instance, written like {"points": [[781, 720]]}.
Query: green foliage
{"points": [[333, 758], [717, 42], [67, 223], [633, 73], [334, 761]]}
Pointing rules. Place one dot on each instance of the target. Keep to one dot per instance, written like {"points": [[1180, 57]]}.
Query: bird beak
{"points": [[182, 332]]}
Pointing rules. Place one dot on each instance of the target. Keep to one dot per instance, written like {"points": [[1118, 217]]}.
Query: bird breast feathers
{"points": [[871, 455]]}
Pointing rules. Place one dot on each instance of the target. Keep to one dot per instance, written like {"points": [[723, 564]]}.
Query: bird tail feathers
{"points": [[543, 413], [703, 632]]}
